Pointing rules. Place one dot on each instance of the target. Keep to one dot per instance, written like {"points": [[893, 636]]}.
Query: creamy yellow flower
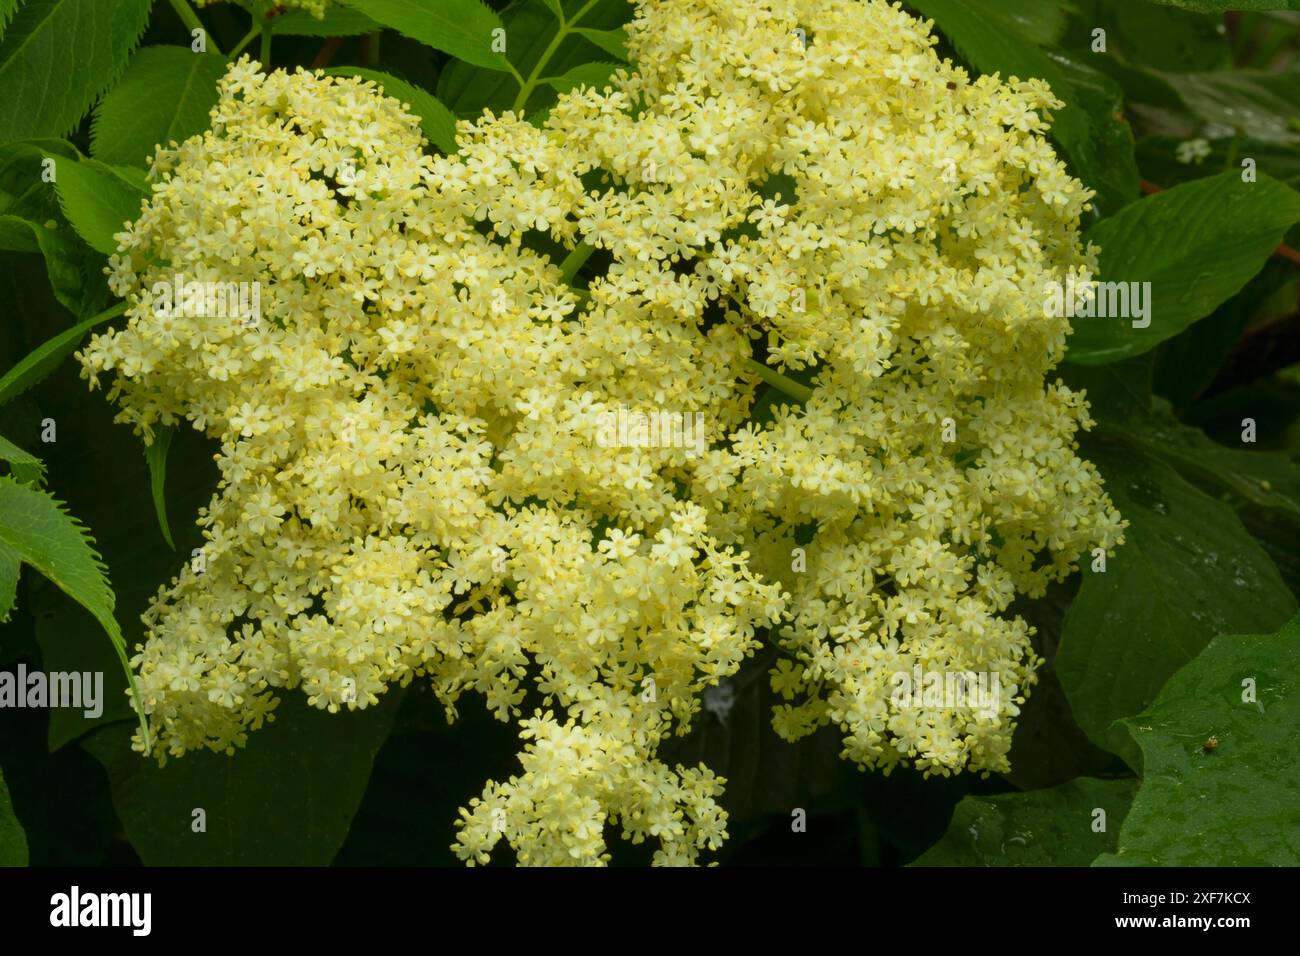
{"points": [[416, 480]]}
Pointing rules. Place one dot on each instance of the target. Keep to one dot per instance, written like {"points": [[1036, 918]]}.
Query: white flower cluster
{"points": [[413, 481]]}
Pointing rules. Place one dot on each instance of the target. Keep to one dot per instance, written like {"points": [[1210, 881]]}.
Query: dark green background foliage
{"points": [[1189, 637]]}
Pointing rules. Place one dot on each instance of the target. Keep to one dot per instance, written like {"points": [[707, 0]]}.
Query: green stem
{"points": [[565, 28], [575, 260], [800, 393], [253, 31], [788, 386], [265, 51], [119, 646], [43, 359], [192, 22]]}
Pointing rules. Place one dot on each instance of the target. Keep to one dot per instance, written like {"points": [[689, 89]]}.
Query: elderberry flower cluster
{"points": [[414, 483]]}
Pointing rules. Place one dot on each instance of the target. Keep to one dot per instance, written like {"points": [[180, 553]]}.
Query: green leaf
{"points": [[107, 483], [391, 829], [1189, 362], [555, 8], [1235, 805], [1197, 245], [1107, 160], [1278, 541], [595, 75], [10, 567], [1264, 40], [155, 453], [1041, 21], [1187, 571], [1270, 480], [60, 249], [27, 468], [1159, 38], [23, 191], [1274, 404], [462, 28], [99, 200], [1115, 392], [1053, 827], [13, 841], [7, 9], [286, 799], [1048, 747], [1222, 6], [1127, 412], [437, 122], [164, 97], [529, 30], [1258, 105], [1157, 155], [47, 356], [36, 530], [613, 42], [990, 42], [335, 23], [58, 56], [31, 221]]}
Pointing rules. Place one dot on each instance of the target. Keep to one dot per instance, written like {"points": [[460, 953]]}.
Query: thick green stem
{"points": [[782, 383], [265, 52], [575, 260], [192, 22], [119, 646], [253, 31], [42, 360], [564, 29]]}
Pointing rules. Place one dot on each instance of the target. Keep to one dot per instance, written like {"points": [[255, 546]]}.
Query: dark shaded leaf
{"points": [[286, 799]]}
